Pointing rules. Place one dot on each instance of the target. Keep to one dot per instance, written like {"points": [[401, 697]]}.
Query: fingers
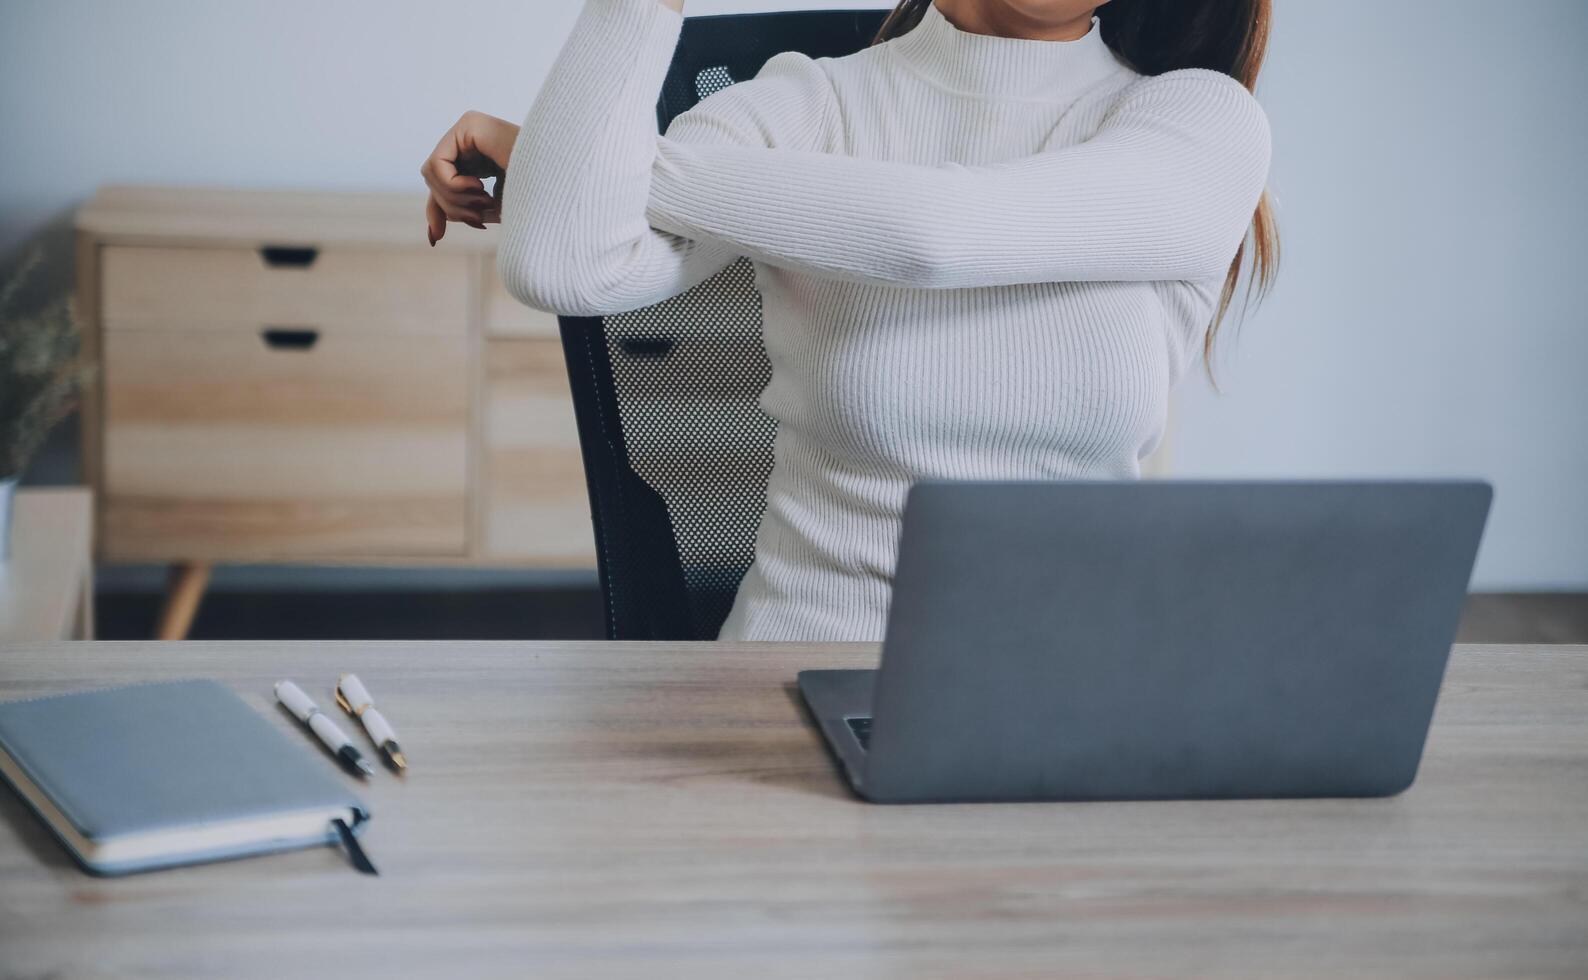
{"points": [[453, 174], [435, 219], [458, 166], [452, 206], [455, 200], [460, 197], [463, 186]]}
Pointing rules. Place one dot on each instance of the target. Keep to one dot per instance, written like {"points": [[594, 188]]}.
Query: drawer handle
{"points": [[289, 338], [289, 256], [647, 347]]}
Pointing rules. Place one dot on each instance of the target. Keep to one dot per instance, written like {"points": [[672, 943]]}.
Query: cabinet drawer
{"points": [[536, 506], [507, 317], [220, 445], [392, 291]]}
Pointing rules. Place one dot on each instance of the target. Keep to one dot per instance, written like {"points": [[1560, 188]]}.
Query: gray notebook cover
{"points": [[159, 756]]}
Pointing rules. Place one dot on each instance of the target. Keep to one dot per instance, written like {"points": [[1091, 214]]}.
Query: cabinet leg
{"points": [[184, 590], [85, 610]]}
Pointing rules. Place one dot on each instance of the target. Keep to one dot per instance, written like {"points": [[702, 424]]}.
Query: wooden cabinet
{"points": [[506, 317], [534, 499], [225, 288], [47, 584], [220, 445], [300, 377]]}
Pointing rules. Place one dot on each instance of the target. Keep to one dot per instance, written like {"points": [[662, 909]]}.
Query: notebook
{"points": [[153, 775]]}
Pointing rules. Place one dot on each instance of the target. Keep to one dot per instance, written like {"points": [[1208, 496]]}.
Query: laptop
{"points": [[1144, 640]]}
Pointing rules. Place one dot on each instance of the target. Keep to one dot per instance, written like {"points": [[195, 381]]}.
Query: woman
{"points": [[988, 245]]}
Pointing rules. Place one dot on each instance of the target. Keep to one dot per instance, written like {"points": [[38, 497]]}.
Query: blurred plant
{"points": [[40, 375]]}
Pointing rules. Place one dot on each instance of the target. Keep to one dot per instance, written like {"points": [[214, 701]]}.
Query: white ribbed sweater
{"points": [[979, 257]]}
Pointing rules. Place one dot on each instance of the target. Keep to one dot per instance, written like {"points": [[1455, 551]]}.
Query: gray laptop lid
{"points": [[1106, 640]]}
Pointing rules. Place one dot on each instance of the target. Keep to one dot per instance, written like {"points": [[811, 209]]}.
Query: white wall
{"points": [[1430, 319], [1431, 315]]}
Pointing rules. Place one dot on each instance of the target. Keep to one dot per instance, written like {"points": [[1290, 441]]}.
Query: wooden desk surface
{"points": [[591, 809]]}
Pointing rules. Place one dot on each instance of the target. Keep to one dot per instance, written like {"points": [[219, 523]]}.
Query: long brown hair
{"points": [[1155, 36]]}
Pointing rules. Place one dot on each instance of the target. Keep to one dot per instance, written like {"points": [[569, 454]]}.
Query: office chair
{"points": [[676, 450]]}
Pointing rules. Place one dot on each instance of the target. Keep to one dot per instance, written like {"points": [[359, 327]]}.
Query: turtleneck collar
{"points": [[1007, 67]]}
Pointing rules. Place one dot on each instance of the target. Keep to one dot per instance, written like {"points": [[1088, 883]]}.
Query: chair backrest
{"points": [[676, 450]]}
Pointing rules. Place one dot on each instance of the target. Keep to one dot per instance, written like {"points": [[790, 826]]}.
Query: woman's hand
{"points": [[476, 147]]}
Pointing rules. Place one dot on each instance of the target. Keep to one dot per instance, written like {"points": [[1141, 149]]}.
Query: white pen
{"points": [[320, 723], [355, 700]]}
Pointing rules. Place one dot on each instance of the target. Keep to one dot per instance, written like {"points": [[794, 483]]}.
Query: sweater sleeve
{"points": [[1163, 191], [575, 239]]}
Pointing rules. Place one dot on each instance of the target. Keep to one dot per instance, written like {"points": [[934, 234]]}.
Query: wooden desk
{"points": [[589, 810], [47, 587]]}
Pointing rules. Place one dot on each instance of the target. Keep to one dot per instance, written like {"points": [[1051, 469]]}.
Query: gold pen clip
{"points": [[360, 706]]}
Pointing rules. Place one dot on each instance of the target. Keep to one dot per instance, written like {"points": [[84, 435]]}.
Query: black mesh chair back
{"points": [[676, 450]]}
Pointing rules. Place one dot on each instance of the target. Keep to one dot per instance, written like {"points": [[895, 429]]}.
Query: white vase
{"points": [[8, 492]]}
